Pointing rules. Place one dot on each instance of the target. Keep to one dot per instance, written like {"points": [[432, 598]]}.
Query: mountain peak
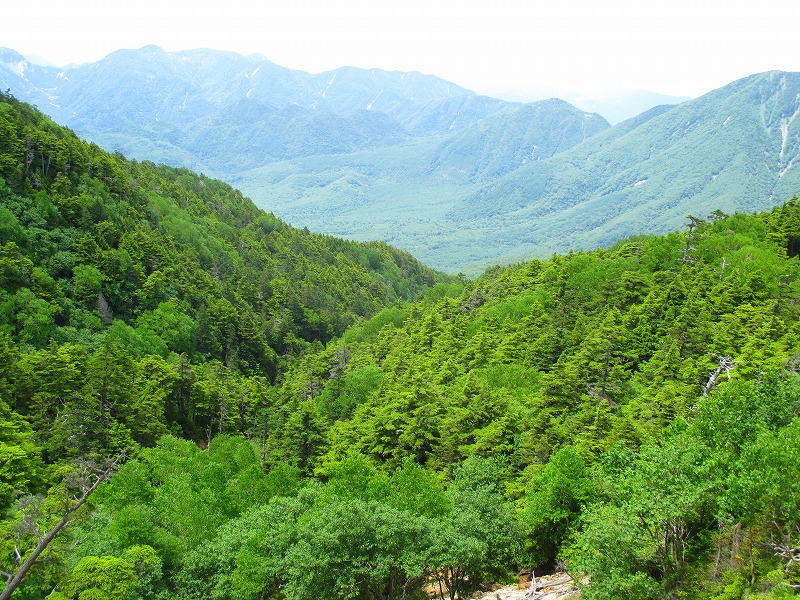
{"points": [[152, 49], [149, 52], [7, 55]]}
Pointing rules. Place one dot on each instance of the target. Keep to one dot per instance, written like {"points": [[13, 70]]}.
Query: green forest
{"points": [[199, 401]]}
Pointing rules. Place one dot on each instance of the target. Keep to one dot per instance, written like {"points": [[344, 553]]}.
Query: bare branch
{"points": [[727, 364], [87, 484]]}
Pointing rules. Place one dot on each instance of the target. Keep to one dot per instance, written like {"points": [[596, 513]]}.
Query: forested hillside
{"points": [[140, 283], [733, 149], [363, 153], [295, 424], [636, 407]]}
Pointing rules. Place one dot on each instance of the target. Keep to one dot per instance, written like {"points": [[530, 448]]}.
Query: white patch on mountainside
{"points": [[640, 182], [18, 67], [455, 120], [728, 120], [250, 91], [371, 102], [257, 69], [62, 76], [785, 123], [330, 83]]}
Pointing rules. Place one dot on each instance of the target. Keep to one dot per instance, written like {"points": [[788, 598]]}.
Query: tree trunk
{"points": [[15, 578]]}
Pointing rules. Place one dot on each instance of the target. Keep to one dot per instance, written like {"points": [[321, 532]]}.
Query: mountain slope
{"points": [[352, 152], [180, 102], [354, 144], [735, 148], [403, 192], [91, 239], [732, 149], [515, 136]]}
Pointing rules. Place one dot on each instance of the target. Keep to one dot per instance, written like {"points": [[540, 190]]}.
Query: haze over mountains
{"points": [[463, 181], [198, 102]]}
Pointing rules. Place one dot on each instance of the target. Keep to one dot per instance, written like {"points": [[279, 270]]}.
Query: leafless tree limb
{"points": [[86, 480]]}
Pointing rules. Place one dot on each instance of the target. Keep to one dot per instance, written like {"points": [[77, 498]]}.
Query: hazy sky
{"points": [[675, 47]]}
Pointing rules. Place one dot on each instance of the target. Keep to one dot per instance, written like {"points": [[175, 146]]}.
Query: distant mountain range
{"points": [[461, 180], [221, 111], [737, 148], [734, 149]]}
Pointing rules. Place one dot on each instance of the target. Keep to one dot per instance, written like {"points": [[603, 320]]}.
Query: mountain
{"points": [[732, 149], [369, 140], [222, 112], [460, 180], [226, 113], [403, 193], [513, 137], [28, 80]]}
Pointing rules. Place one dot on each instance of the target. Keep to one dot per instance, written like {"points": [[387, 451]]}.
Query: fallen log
{"points": [[538, 586]]}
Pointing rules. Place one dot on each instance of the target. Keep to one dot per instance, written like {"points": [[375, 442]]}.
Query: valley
{"points": [[201, 400], [462, 181]]}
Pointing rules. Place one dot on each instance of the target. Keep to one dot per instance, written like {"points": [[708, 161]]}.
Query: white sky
{"points": [[505, 47]]}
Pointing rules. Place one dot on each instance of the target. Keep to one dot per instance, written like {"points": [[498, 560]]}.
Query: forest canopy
{"points": [[306, 417]]}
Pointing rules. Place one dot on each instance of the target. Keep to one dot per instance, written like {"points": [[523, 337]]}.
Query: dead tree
{"points": [[784, 541], [693, 224], [726, 363], [80, 485]]}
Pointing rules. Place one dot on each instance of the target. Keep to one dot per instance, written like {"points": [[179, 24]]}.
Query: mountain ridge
{"points": [[462, 181], [643, 175], [232, 76], [655, 180]]}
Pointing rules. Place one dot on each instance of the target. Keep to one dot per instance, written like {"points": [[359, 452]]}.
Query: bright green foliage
{"points": [[357, 549], [99, 578], [415, 490], [354, 478], [245, 557], [480, 524], [554, 501], [137, 574], [767, 481], [108, 265], [719, 489], [612, 550], [148, 309], [21, 466]]}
